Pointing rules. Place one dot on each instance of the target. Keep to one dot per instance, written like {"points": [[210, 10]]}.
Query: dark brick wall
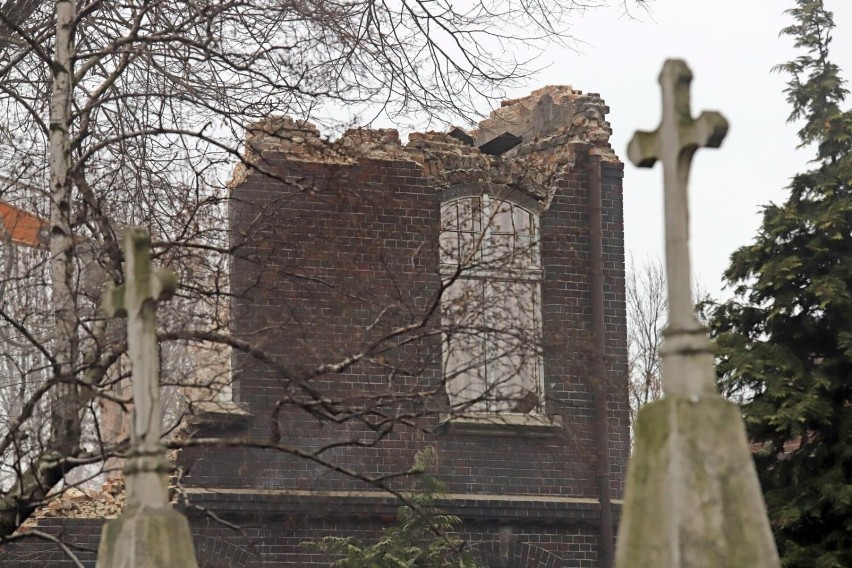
{"points": [[322, 250], [615, 315], [491, 543], [277, 541], [80, 536], [321, 257]]}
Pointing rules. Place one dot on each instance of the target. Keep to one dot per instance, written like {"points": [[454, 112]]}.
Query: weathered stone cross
{"points": [[692, 498], [149, 533], [137, 299], [674, 143]]}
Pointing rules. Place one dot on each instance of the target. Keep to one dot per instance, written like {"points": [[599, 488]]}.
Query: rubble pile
{"points": [[75, 503]]}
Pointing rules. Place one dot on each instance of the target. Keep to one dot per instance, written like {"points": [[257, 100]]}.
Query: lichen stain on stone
{"points": [[645, 471], [686, 477], [147, 538]]}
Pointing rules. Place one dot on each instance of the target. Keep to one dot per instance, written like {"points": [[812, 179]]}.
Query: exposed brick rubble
{"points": [[74, 503], [554, 123], [550, 117]]}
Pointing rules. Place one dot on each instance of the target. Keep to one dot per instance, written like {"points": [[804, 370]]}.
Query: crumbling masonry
{"points": [[337, 243]]}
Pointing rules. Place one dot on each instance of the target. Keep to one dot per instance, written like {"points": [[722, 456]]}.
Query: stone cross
{"points": [[692, 497], [149, 533], [136, 300], [674, 143]]}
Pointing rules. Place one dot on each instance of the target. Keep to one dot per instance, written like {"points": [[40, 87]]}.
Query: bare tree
{"points": [[647, 315], [134, 113], [647, 311]]}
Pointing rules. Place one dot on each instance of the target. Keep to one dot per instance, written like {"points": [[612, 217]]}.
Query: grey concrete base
{"points": [[693, 499], [147, 538]]}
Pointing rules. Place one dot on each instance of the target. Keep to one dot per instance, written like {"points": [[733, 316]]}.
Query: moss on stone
{"points": [[692, 495], [147, 538]]}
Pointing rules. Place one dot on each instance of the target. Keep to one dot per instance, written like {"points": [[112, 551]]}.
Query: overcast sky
{"points": [[731, 46]]}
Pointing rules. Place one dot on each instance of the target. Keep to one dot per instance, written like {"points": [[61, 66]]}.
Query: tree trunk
{"points": [[65, 413]]}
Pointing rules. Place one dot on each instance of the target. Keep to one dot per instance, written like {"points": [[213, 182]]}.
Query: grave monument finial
{"points": [[674, 143], [149, 533], [692, 498]]}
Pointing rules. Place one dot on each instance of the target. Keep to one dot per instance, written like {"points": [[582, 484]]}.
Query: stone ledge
{"points": [[218, 414], [505, 424], [375, 503]]}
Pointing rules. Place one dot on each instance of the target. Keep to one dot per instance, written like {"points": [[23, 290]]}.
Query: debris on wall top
{"points": [[555, 112], [533, 138], [82, 503]]}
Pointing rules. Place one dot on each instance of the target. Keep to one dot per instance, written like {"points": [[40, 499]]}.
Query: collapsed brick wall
{"points": [[337, 232], [353, 229], [334, 232]]}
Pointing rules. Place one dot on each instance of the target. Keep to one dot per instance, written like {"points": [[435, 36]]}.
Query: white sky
{"points": [[731, 46]]}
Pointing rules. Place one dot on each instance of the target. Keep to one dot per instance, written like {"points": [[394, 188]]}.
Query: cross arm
{"points": [[708, 130], [644, 149], [143, 281], [113, 301], [163, 286]]}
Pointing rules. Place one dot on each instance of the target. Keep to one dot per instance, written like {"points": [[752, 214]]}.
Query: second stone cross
{"points": [[149, 533]]}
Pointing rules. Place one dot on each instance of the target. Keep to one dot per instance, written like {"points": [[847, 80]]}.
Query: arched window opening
{"points": [[491, 311]]}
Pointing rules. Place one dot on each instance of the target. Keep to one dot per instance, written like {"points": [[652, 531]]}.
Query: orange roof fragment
{"points": [[24, 228]]}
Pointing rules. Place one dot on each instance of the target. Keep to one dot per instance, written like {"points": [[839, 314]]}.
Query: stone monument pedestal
{"points": [[144, 537], [693, 497]]}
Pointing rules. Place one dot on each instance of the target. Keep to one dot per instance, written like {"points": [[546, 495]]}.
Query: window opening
{"points": [[491, 311]]}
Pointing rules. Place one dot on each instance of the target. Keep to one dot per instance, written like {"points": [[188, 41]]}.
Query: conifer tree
{"points": [[785, 339]]}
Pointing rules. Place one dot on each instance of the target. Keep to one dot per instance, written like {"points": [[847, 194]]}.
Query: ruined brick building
{"points": [[345, 248], [464, 291]]}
